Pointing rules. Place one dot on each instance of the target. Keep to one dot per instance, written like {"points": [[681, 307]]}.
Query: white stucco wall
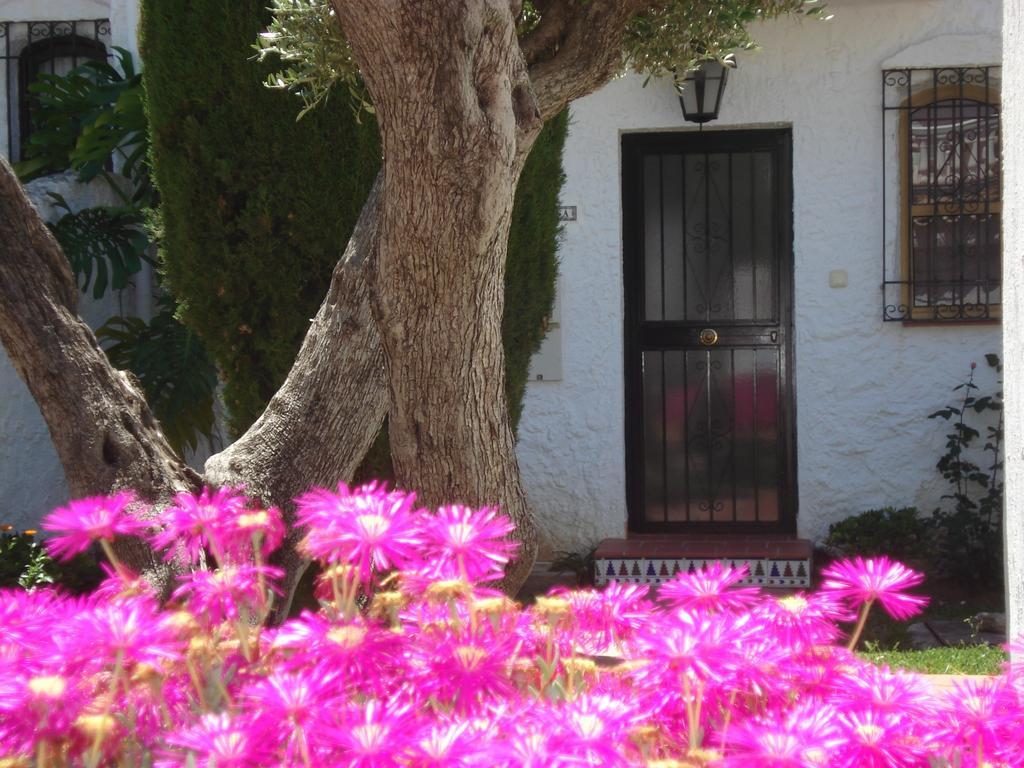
{"points": [[864, 387], [31, 478]]}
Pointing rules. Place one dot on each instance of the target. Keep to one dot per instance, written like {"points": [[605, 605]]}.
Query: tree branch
{"points": [[320, 424], [575, 49], [104, 432]]}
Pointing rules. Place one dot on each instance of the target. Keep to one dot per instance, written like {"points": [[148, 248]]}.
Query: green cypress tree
{"points": [[256, 207]]}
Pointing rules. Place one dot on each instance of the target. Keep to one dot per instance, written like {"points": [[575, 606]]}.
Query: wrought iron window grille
{"points": [[31, 48], [941, 194]]}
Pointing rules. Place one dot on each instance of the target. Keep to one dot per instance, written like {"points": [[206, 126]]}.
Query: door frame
{"points": [[634, 145]]}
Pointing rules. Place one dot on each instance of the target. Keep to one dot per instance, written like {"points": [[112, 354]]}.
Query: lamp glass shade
{"points": [[702, 89]]}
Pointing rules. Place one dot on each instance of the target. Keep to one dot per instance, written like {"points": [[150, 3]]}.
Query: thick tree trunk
{"points": [[103, 431], [457, 117], [320, 424]]}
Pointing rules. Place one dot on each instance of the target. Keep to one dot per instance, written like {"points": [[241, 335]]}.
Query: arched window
{"points": [[950, 199], [29, 49]]}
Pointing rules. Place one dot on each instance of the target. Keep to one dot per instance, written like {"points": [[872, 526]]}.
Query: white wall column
{"points": [[1013, 305]]}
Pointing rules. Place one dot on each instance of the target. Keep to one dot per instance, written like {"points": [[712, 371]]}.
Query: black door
{"points": [[708, 272]]}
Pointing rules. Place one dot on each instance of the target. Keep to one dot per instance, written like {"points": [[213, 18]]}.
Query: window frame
{"points": [[33, 58], [909, 211]]}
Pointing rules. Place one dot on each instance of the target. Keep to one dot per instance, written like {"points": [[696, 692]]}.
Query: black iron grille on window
{"points": [[31, 48], [941, 234]]}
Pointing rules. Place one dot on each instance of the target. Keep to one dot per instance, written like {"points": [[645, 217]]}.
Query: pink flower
{"points": [[447, 745], [982, 718], [463, 669], [590, 730], [292, 705], [802, 739], [130, 631], [606, 619], [886, 691], [369, 528], [873, 739], [219, 741], [84, 521], [864, 581], [37, 703], [249, 527], [465, 543], [220, 595], [362, 655], [195, 522], [708, 589], [692, 647], [801, 620], [373, 736], [120, 584]]}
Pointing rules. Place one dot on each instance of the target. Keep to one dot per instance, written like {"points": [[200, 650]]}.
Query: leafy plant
{"points": [[25, 563], [969, 524], [581, 564], [84, 118], [173, 368], [108, 239], [901, 533]]}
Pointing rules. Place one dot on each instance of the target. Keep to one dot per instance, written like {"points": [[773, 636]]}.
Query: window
{"points": [[30, 49], [943, 264]]}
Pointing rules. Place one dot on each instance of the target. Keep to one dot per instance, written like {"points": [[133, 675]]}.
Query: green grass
{"points": [[960, 660]]}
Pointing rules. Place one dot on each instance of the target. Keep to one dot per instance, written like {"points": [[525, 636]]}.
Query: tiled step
{"points": [[773, 561]]}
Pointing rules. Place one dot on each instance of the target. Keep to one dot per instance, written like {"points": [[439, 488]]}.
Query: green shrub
{"points": [[968, 522], [24, 563], [256, 207], [899, 533]]}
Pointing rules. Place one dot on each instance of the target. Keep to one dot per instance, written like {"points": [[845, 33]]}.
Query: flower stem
{"points": [[861, 621], [118, 567]]}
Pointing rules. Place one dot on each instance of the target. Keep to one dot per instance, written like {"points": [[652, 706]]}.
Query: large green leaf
{"points": [[171, 364], [105, 245], [86, 117]]}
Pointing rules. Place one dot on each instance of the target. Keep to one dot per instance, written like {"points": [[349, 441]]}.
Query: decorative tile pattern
{"points": [[762, 572]]}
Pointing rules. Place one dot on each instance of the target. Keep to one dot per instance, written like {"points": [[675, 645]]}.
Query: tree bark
{"points": [[104, 432], [320, 424], [457, 119]]}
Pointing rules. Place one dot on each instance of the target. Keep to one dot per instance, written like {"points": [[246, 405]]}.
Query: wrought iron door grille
{"points": [[31, 48], [941, 194]]}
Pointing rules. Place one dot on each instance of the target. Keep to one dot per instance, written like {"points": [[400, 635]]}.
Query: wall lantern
{"points": [[700, 93]]}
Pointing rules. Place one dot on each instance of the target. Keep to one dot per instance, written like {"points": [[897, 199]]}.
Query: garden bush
{"points": [[412, 661], [900, 533]]}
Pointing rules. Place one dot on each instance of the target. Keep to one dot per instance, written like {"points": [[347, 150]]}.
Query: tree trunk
{"points": [[104, 433], [320, 424], [457, 119]]}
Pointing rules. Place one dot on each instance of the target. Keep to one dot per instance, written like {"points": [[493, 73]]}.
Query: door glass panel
{"points": [[763, 247], [654, 437], [766, 430], [711, 435], [672, 236], [653, 303]]}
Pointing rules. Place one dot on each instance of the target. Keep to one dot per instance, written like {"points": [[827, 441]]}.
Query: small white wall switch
{"points": [[837, 278]]}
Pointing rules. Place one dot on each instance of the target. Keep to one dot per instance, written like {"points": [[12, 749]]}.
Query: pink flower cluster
{"points": [[412, 661]]}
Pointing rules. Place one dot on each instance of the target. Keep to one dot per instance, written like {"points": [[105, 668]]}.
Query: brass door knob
{"points": [[708, 337]]}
